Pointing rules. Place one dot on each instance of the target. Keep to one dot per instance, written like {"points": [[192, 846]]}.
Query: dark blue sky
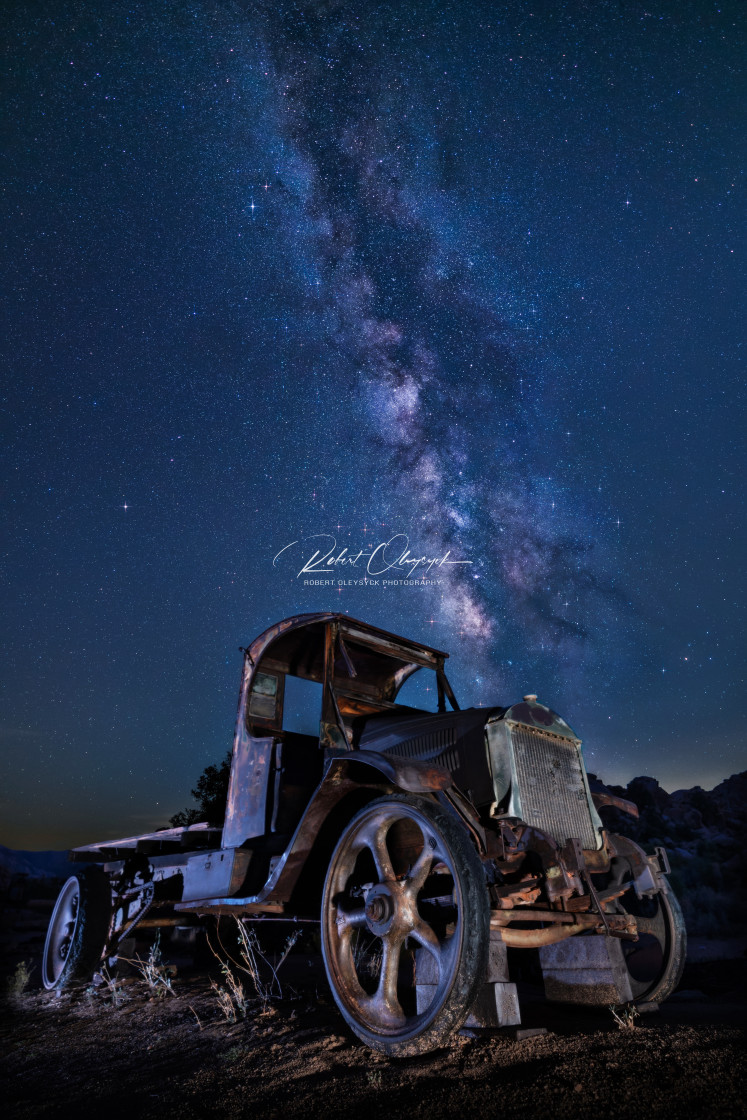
{"points": [[468, 272]]}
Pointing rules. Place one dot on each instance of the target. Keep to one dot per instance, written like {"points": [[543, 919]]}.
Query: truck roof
{"points": [[354, 629]]}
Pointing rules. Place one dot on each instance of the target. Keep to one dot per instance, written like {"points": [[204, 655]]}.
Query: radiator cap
{"points": [[531, 698]]}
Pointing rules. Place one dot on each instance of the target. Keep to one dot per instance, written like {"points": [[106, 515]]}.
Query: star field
{"points": [[470, 272]]}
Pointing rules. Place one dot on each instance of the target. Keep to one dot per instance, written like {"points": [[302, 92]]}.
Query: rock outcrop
{"points": [[704, 833]]}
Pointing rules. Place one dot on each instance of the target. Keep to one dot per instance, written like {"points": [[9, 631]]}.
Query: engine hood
{"points": [[419, 733], [454, 740]]}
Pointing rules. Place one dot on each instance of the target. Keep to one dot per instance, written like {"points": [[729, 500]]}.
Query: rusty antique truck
{"points": [[426, 839]]}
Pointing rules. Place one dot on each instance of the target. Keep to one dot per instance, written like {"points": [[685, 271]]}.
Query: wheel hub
{"points": [[380, 909]]}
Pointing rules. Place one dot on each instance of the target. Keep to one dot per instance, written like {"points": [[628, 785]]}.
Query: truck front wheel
{"points": [[405, 925]]}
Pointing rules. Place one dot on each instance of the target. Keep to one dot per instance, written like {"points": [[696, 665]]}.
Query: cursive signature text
{"points": [[394, 555]]}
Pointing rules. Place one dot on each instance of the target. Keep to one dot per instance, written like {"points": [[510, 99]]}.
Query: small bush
{"points": [[155, 974], [18, 980], [232, 998], [106, 989], [625, 1016]]}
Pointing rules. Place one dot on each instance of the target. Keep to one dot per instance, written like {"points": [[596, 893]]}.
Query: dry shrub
{"points": [[233, 999], [625, 1016], [106, 989], [154, 973], [18, 981]]}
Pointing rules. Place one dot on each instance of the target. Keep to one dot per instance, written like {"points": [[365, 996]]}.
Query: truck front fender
{"points": [[408, 774]]}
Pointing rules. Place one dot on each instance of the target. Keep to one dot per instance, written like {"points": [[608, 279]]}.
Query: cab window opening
{"points": [[419, 691], [302, 707]]}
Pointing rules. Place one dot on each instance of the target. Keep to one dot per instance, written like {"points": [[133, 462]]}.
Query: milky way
{"points": [[450, 392]]}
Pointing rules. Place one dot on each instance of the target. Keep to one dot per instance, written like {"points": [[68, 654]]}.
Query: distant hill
{"points": [[37, 865]]}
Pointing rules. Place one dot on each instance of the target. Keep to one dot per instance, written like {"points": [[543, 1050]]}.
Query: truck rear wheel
{"points": [[405, 901], [78, 929]]}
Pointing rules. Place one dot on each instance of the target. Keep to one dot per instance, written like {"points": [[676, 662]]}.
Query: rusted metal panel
{"points": [[215, 873], [246, 808], [454, 740], [360, 666], [334, 647], [351, 629], [601, 799], [588, 970], [239, 907]]}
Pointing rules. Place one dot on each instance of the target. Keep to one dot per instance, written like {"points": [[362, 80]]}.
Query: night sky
{"points": [[470, 273]]}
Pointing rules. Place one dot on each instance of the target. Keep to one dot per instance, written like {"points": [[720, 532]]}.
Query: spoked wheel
{"points": [[405, 925], [77, 930], [656, 960]]}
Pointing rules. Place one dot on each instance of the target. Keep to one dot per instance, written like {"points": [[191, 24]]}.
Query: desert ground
{"points": [[125, 1050]]}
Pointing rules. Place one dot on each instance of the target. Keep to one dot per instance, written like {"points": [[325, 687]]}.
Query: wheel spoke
{"points": [[420, 871], [385, 1003], [426, 936], [346, 960], [374, 838], [67, 915], [389, 970]]}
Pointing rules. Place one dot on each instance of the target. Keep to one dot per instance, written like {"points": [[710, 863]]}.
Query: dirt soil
{"points": [[177, 1056]]}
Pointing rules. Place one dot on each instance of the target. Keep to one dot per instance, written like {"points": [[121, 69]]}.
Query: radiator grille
{"points": [[551, 786]]}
